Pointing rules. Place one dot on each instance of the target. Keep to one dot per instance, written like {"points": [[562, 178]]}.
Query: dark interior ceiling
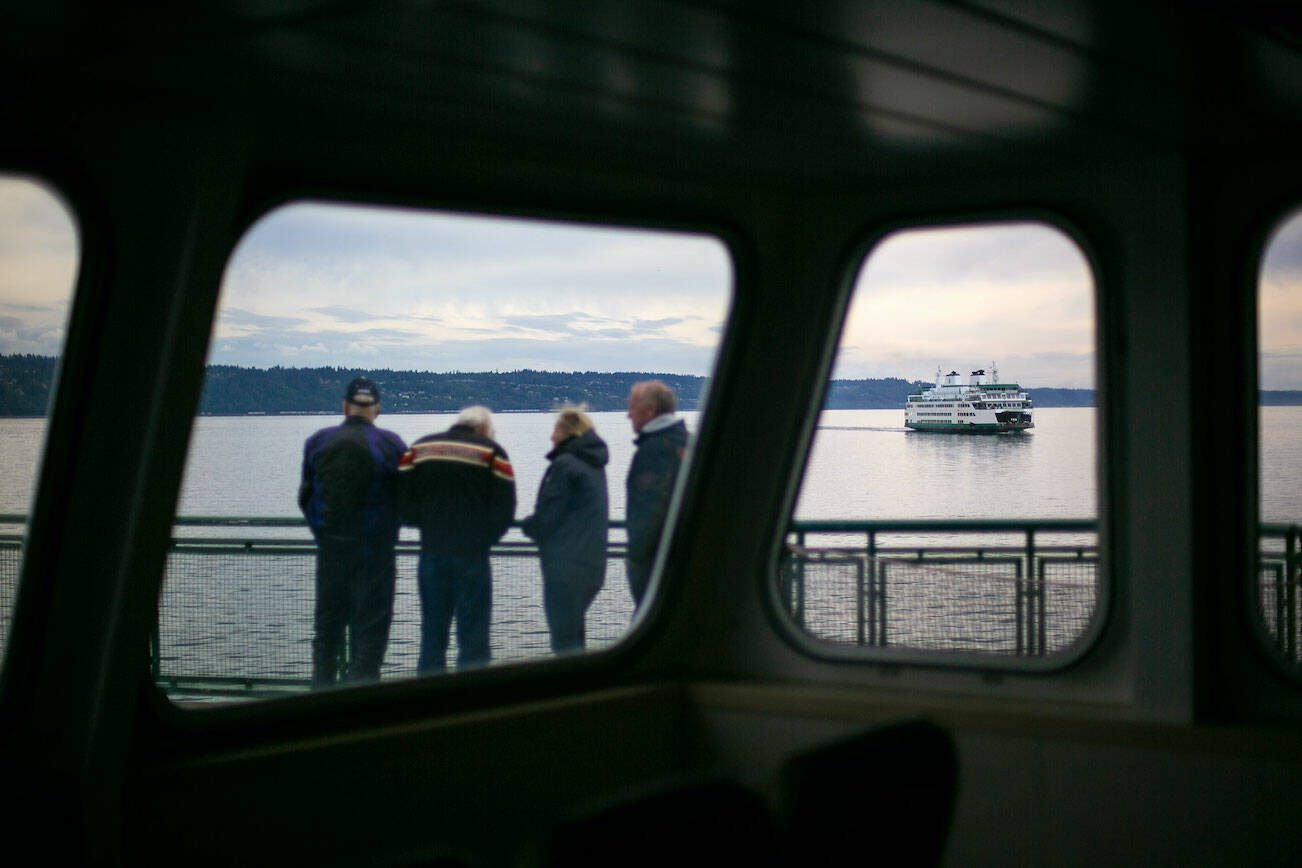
{"points": [[831, 88]]}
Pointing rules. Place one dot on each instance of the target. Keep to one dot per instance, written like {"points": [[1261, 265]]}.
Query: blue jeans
{"points": [[459, 586]]}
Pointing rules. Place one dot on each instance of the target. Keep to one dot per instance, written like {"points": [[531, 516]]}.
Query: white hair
{"points": [[479, 418]]}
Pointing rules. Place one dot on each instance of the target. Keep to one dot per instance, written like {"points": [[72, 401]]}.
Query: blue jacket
{"points": [[572, 515], [349, 481], [650, 485]]}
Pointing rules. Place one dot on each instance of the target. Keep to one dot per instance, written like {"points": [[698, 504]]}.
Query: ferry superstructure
{"points": [[982, 405]]}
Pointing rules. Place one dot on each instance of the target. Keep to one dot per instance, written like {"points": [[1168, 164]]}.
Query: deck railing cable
{"points": [[235, 611], [1011, 588]]}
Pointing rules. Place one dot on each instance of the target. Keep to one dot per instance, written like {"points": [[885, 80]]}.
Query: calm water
{"points": [[228, 452], [865, 464]]}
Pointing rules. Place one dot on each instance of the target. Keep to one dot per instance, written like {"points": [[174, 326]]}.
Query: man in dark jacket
{"points": [[661, 442], [570, 522], [348, 494], [458, 487]]}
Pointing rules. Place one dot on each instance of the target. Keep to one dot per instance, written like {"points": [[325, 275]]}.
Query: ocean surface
{"points": [[253, 615], [864, 465]]}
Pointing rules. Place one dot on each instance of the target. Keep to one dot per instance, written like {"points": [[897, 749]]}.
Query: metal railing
{"points": [[1279, 580], [235, 610], [1023, 588]]}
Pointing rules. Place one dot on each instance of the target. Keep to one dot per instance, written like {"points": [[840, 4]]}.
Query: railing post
{"points": [[1281, 579], [799, 577], [1019, 611], [1029, 605], [155, 650], [786, 566], [1042, 596], [1291, 580], [345, 654], [1040, 609], [861, 568], [875, 636], [877, 615]]}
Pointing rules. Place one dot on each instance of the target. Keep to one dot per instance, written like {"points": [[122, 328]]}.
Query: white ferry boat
{"points": [[982, 405]]}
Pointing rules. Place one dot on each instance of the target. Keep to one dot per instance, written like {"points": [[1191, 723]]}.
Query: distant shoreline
{"points": [[329, 413], [233, 391]]}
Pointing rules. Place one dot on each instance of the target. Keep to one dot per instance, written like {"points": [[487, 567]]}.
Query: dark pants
{"points": [[568, 591], [459, 586], [354, 589]]}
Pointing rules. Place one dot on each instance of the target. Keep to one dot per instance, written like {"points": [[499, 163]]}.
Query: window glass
{"points": [[38, 265], [948, 506], [1279, 340], [523, 532]]}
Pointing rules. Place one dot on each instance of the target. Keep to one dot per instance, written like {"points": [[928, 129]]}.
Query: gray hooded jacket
{"points": [[572, 515]]}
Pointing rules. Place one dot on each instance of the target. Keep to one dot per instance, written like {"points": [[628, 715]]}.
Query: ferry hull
{"points": [[981, 406], [968, 427]]}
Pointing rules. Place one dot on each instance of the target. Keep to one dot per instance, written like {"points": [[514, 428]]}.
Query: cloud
{"points": [[18, 335], [405, 351], [646, 324], [296, 351], [1018, 294], [1066, 370], [1279, 333], [1281, 370], [429, 264], [345, 314], [553, 322], [239, 317], [56, 308], [38, 265], [1283, 256]]}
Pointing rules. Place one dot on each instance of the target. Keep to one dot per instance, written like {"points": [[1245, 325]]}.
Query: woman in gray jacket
{"points": [[569, 523]]}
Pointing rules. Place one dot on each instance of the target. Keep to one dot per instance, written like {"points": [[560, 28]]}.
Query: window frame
{"points": [[1249, 594], [542, 673], [959, 662], [31, 600]]}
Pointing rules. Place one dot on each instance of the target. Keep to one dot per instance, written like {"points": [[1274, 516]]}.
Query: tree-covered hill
{"points": [[234, 390], [25, 384], [230, 390]]}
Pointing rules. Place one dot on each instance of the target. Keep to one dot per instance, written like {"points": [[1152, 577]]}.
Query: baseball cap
{"points": [[362, 392]]}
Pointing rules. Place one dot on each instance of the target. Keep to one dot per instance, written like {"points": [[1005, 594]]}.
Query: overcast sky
{"points": [[314, 284], [317, 285], [1279, 331], [38, 261], [1019, 295]]}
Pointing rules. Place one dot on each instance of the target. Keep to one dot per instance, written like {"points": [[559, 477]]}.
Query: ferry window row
{"points": [[941, 533], [432, 442], [1278, 585]]}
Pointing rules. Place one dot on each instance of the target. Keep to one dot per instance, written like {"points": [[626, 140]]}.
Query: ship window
{"points": [[907, 541], [39, 255], [1278, 587], [440, 312]]}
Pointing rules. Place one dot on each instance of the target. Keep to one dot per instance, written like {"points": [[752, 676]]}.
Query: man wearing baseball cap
{"points": [[348, 494]]}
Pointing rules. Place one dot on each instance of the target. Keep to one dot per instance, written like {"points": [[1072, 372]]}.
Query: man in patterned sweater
{"points": [[459, 489]]}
